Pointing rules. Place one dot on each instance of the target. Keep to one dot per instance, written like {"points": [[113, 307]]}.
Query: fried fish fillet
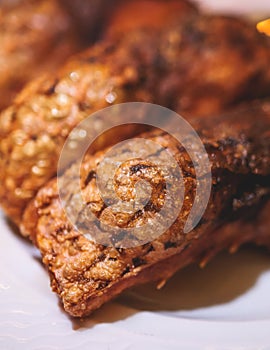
{"points": [[198, 65], [134, 14], [86, 274], [38, 36], [35, 36], [121, 16]]}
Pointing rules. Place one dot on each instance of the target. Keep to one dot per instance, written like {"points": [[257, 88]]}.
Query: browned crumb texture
{"points": [[35, 37], [85, 275], [198, 66], [38, 36]]}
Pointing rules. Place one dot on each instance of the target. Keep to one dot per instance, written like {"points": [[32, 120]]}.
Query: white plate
{"points": [[225, 306]]}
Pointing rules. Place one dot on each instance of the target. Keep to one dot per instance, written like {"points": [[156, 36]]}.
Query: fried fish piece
{"points": [[121, 16], [38, 36], [35, 37], [199, 65], [218, 62], [86, 274], [134, 14], [35, 127]]}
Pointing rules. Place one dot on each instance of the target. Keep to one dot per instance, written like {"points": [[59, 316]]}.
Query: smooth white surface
{"points": [[240, 7], [227, 306]]}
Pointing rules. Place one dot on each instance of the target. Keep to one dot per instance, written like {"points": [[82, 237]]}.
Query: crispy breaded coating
{"points": [[85, 274], [38, 36], [35, 37], [197, 66], [34, 128], [218, 62]]}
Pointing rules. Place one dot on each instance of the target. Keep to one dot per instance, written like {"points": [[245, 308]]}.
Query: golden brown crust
{"points": [[35, 37], [38, 36], [232, 63], [85, 274], [34, 128], [223, 61]]}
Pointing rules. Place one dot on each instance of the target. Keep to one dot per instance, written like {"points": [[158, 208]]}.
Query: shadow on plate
{"points": [[224, 279]]}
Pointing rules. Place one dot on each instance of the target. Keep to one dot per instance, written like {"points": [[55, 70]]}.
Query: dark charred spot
{"points": [[181, 148], [137, 215], [136, 262], [150, 206], [51, 89], [169, 244], [239, 40], [62, 229], [91, 175], [13, 116], [102, 285], [162, 186], [126, 270], [135, 168], [101, 256], [112, 259], [187, 173], [83, 106], [150, 249]]}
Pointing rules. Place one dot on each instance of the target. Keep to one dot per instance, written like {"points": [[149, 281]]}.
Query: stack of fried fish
{"points": [[213, 70]]}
